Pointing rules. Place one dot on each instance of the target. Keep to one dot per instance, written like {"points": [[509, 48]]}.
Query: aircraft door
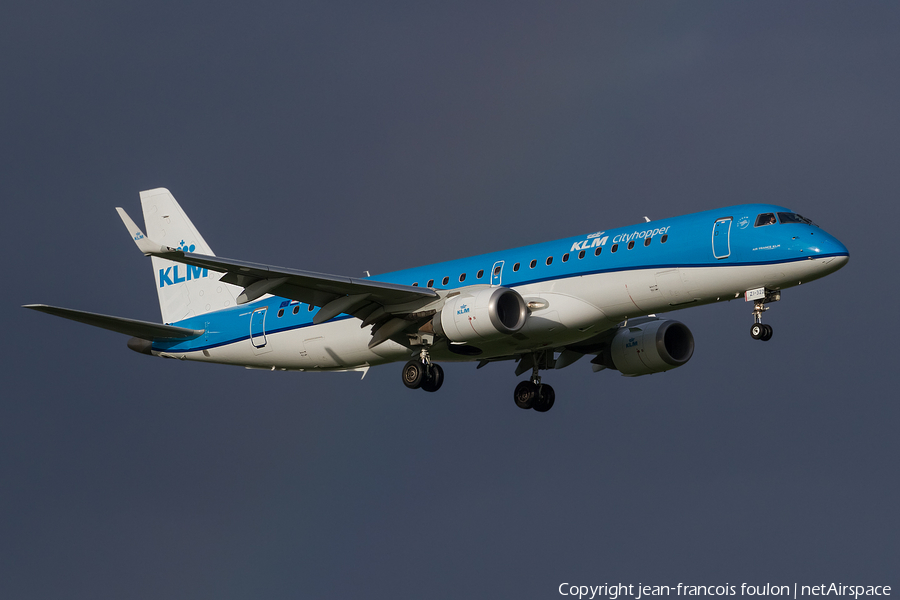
{"points": [[258, 328], [721, 238], [497, 273]]}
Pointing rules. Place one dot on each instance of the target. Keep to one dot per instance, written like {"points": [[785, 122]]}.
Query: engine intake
{"points": [[481, 314], [652, 347]]}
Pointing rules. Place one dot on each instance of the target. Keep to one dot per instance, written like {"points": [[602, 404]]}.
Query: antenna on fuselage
{"points": [[646, 219]]}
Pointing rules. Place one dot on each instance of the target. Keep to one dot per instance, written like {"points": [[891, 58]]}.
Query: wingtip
{"points": [[144, 244]]}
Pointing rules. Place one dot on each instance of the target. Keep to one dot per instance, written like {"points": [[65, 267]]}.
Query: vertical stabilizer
{"points": [[184, 291]]}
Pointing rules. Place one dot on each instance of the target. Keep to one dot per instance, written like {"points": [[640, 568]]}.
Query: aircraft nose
{"points": [[831, 246], [821, 244], [828, 254], [840, 261]]}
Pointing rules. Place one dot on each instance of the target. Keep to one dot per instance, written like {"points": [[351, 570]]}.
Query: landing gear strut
{"points": [[759, 330], [534, 394], [422, 373]]}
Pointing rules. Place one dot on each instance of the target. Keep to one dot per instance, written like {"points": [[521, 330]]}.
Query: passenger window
{"points": [[296, 308], [445, 281], [549, 260], [479, 274], [280, 312], [614, 248], [631, 244], [416, 284], [581, 255], [462, 277], [664, 238], [599, 250], [310, 308], [497, 270], [765, 219], [647, 241], [430, 283], [533, 264], [566, 257], [516, 267]]}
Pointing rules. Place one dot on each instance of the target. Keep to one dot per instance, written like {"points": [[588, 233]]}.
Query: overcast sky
{"points": [[345, 137]]}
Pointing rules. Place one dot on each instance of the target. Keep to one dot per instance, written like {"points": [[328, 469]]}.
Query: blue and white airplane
{"points": [[544, 306]]}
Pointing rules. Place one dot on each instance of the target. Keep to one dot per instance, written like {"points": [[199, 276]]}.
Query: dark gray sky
{"points": [[344, 137]]}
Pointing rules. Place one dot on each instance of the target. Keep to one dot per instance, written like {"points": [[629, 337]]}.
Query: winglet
{"points": [[144, 244]]}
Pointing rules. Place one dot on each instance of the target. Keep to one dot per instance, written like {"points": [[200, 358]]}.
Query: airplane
{"points": [[544, 306]]}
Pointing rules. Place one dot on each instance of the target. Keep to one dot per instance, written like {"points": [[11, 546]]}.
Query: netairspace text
{"points": [[621, 590]]}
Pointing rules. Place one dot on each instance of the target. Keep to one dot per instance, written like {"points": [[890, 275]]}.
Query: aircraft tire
{"points": [[434, 378], [546, 398], [767, 334], [413, 374], [757, 331], [525, 394]]}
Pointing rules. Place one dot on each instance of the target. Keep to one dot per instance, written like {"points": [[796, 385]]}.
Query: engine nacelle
{"points": [[481, 314], [651, 347]]}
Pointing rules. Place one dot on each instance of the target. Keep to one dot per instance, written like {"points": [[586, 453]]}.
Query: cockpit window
{"points": [[765, 219], [794, 218]]}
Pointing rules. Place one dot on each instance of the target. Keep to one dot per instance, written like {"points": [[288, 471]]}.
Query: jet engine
{"points": [[481, 314], [651, 347]]}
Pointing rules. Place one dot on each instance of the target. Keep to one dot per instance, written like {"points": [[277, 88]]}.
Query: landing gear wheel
{"points": [[767, 334], [525, 395], [413, 374], [757, 331], [546, 398], [434, 378]]}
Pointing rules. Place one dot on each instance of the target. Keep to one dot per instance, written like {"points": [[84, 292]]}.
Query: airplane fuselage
{"points": [[575, 288]]}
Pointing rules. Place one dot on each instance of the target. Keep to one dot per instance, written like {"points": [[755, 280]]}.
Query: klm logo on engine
{"points": [[170, 276], [463, 310], [631, 343]]}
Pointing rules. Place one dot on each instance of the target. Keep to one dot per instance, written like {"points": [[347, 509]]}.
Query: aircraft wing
{"points": [[144, 330], [305, 286], [375, 302]]}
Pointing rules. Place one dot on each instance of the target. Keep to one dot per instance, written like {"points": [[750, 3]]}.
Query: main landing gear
{"points": [[422, 373], [759, 330], [534, 394]]}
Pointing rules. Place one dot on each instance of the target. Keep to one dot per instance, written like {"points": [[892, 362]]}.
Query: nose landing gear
{"points": [[759, 330]]}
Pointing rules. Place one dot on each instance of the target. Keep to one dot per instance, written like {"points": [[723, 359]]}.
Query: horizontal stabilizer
{"points": [[144, 330]]}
